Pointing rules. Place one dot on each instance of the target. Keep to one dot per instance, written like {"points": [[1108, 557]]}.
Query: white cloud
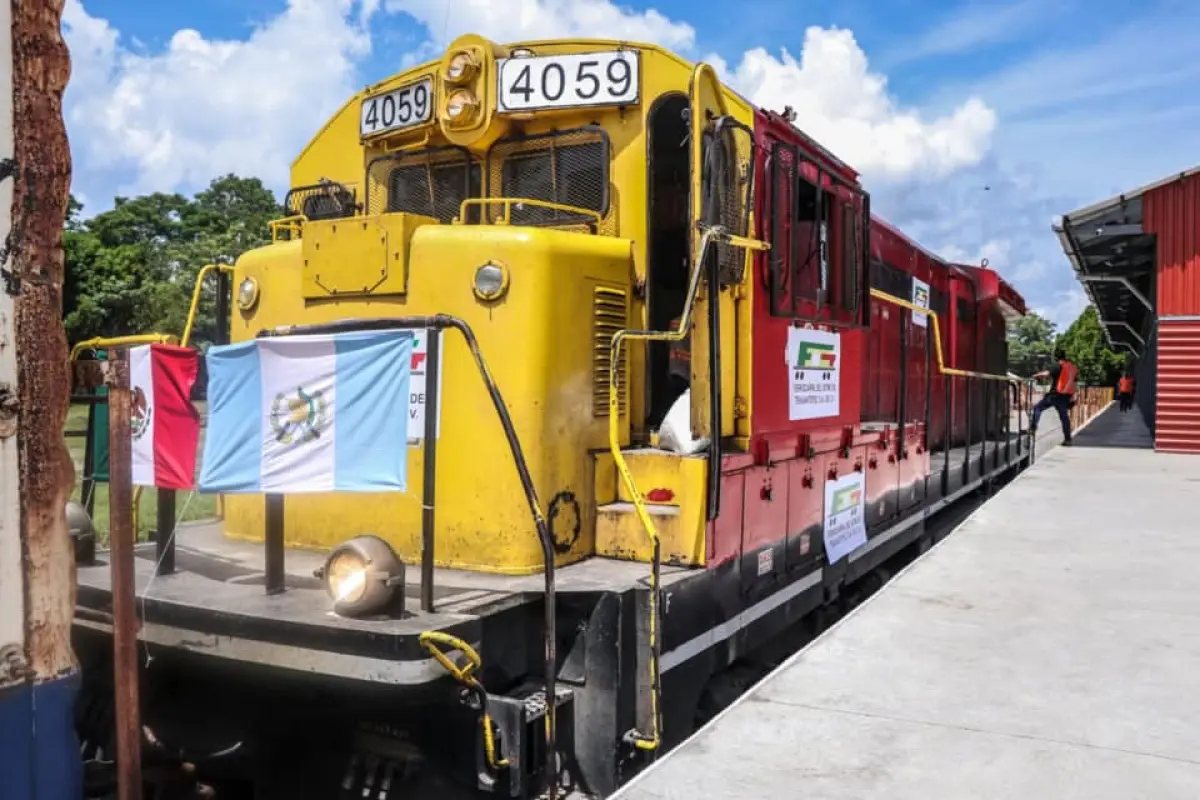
{"points": [[173, 118], [846, 107], [516, 20], [202, 107]]}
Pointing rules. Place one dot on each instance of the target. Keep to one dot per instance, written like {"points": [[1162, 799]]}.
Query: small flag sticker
{"points": [[814, 355]]}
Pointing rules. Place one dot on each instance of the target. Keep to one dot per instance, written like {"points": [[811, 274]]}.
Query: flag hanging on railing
{"points": [[312, 413], [164, 424]]}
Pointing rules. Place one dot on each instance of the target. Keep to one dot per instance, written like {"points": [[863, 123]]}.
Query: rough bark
{"points": [[42, 169]]}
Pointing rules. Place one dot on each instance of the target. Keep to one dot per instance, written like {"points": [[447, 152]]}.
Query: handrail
{"points": [[465, 675], [442, 322], [937, 341], [291, 224], [653, 740], [121, 341], [508, 202], [191, 317]]}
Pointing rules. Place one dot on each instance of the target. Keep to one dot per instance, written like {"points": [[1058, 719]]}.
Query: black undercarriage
{"points": [[275, 697]]}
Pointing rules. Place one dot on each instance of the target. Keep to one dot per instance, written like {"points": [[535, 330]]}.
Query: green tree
{"points": [[1030, 343], [1084, 345], [132, 269]]}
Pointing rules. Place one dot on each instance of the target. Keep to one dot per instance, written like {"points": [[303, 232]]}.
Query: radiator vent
{"points": [[608, 317]]}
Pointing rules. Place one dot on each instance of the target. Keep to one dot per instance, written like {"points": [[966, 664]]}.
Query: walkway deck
{"points": [[1048, 648]]}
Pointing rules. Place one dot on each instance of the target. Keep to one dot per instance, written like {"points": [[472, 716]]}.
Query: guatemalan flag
{"points": [[164, 424], [311, 413]]}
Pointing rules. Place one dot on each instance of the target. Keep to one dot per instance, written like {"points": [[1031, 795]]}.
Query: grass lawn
{"points": [[188, 505]]}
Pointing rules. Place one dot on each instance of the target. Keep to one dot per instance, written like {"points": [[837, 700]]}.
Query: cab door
{"points": [[721, 177]]}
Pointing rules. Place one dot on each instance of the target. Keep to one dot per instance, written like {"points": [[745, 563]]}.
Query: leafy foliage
{"points": [[1030, 344], [1032, 339], [132, 269], [1084, 345]]}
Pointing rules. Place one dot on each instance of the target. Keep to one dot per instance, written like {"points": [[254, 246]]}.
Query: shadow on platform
{"points": [[1111, 428]]}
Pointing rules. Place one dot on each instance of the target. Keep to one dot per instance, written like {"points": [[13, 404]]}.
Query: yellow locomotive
{"points": [[665, 300]]}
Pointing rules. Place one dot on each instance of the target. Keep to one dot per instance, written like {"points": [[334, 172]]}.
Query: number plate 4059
{"points": [[580, 79], [405, 107]]}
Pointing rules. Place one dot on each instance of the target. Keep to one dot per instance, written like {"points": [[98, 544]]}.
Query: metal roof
{"points": [[1114, 258]]}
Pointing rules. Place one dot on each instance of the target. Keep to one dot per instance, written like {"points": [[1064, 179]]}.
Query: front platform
{"points": [[214, 604], [1046, 649]]}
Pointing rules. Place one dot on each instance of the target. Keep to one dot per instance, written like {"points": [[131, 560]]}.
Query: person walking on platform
{"points": [[1125, 392], [1060, 396]]}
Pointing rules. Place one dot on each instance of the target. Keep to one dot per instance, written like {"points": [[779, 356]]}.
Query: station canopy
{"points": [[1114, 258]]}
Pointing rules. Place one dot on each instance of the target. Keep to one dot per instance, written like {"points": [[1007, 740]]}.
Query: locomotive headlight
{"points": [[491, 281], [461, 105], [247, 294], [363, 576], [460, 67]]}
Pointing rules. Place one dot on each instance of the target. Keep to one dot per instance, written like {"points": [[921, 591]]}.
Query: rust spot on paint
{"points": [[41, 174]]}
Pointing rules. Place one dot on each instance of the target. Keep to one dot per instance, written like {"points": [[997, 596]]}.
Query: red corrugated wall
{"points": [[1173, 213], [1177, 408]]}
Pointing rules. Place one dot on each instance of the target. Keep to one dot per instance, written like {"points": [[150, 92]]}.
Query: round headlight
{"points": [[362, 575], [491, 281], [460, 67], [347, 578], [247, 294], [461, 104]]}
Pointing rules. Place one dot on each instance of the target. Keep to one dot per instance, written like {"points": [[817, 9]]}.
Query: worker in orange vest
{"points": [[1061, 396], [1125, 392]]}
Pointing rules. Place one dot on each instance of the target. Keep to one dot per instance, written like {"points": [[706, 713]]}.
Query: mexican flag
{"points": [[164, 424]]}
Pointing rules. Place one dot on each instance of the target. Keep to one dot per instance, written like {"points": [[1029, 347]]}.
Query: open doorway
{"points": [[668, 366]]}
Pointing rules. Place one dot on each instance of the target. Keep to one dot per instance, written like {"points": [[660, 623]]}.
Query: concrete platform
{"points": [[1048, 648]]}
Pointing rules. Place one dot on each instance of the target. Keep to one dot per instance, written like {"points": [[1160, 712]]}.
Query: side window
{"points": [[817, 239]]}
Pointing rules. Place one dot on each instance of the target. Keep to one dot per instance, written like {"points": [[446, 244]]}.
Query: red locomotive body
{"points": [[920, 433]]}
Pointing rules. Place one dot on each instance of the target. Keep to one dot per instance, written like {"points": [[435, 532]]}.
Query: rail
{"points": [[937, 341], [653, 740], [442, 322], [465, 675], [289, 225], [195, 304], [508, 202], [121, 341]]}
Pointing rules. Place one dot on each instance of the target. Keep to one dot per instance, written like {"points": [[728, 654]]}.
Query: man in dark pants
{"points": [[1125, 392], [1062, 375]]}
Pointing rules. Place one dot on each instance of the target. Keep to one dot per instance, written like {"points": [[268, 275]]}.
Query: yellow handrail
{"points": [[465, 675], [937, 341], [508, 202], [191, 317], [292, 224], [614, 444], [121, 341]]}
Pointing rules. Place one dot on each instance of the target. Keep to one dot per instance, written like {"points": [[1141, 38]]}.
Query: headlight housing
{"points": [[363, 576], [247, 294], [491, 281], [460, 67], [461, 105]]}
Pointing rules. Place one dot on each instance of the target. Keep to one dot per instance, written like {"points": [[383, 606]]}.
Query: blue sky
{"points": [[974, 123]]}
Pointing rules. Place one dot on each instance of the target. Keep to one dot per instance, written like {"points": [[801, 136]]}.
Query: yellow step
{"points": [[672, 485]]}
